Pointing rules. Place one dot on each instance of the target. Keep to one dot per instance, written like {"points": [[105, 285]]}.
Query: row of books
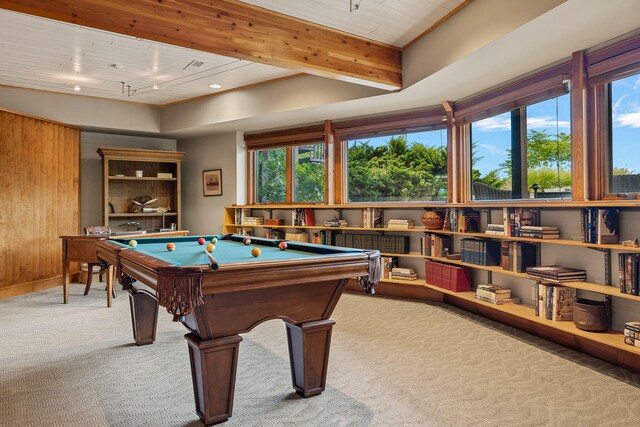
{"points": [[553, 302], [447, 276], [464, 220], [480, 251], [513, 219], [253, 220], [403, 273], [632, 333], [495, 294], [241, 213], [435, 245], [517, 256], [302, 217], [385, 244], [388, 263], [556, 273], [400, 223], [335, 222], [599, 225], [372, 218], [628, 271], [532, 231]]}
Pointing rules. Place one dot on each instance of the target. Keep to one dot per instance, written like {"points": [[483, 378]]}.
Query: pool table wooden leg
{"points": [[213, 370], [309, 345], [144, 316]]}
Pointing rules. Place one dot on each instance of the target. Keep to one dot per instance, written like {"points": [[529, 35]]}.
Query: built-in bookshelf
{"points": [[608, 345]]}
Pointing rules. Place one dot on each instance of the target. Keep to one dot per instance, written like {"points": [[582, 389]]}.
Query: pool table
{"points": [[217, 301]]}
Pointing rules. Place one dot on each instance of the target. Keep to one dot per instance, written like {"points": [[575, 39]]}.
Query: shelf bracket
{"points": [[339, 210], [268, 211]]}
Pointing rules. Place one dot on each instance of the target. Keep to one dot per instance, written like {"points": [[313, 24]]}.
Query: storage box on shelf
{"points": [[516, 253]]}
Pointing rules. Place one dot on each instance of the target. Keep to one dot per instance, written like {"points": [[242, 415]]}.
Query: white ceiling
{"points": [[395, 22], [49, 55]]}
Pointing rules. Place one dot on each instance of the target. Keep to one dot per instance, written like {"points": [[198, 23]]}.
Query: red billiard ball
{"points": [[246, 241], [171, 247], [256, 251], [211, 247], [282, 246], [201, 241]]}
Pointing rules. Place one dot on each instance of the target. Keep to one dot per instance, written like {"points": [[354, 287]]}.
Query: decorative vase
{"points": [[433, 220]]}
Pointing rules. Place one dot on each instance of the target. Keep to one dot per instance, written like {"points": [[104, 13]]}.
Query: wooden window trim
{"points": [[285, 137], [542, 85], [614, 62], [417, 121]]}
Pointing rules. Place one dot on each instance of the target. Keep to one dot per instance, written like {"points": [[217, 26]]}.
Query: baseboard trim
{"points": [[35, 286]]}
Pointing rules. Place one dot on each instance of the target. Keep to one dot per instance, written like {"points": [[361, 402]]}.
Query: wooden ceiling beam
{"points": [[233, 29]]}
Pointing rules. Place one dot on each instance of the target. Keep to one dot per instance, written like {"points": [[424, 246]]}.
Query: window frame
{"points": [[288, 139], [425, 120]]}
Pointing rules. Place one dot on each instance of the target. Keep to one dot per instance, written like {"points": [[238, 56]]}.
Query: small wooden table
{"points": [[82, 248]]}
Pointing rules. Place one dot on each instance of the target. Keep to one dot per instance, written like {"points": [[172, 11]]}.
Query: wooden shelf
{"points": [[141, 215], [480, 204], [138, 178]]}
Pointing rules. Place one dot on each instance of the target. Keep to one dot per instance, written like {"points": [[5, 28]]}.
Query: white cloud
{"points": [[628, 119], [498, 123], [547, 122], [492, 149]]}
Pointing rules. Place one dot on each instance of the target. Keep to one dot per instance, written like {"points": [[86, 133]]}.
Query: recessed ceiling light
{"points": [[76, 88], [215, 86], [156, 87]]}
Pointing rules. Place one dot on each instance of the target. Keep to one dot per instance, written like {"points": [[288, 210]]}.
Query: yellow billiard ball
{"points": [[171, 246], [214, 240], [133, 243], [256, 251], [211, 247]]}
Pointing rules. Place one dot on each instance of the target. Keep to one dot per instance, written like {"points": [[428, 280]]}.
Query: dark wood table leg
{"points": [[65, 281], [110, 293], [213, 370], [144, 316], [309, 345], [89, 278]]}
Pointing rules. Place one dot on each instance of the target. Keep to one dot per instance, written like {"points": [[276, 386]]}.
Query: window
{"points": [[271, 175], [309, 173], [523, 153], [624, 125], [398, 167]]}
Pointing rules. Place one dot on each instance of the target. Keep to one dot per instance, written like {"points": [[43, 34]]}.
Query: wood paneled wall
{"points": [[39, 200]]}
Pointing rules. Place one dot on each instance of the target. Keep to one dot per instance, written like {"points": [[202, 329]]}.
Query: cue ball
{"points": [[255, 251], [214, 240], [171, 246], [247, 241], [211, 247], [133, 243], [282, 246], [201, 241]]}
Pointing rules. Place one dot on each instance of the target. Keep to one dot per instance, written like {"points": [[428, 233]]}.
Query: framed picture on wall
{"points": [[212, 182]]}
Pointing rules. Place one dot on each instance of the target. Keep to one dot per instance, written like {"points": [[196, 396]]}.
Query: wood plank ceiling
{"points": [[98, 45]]}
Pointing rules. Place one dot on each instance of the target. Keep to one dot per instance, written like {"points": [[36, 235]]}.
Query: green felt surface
{"points": [[189, 252]]}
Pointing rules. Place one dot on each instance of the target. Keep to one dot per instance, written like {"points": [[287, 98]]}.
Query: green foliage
{"points": [[309, 182], [399, 170], [549, 178], [271, 176]]}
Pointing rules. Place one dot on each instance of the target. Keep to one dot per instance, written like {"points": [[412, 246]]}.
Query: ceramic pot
{"points": [[433, 220]]}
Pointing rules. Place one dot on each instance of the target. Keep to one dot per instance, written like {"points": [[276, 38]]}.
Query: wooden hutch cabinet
{"points": [[140, 189]]}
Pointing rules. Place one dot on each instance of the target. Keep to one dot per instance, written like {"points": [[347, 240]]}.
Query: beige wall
{"points": [[200, 214]]}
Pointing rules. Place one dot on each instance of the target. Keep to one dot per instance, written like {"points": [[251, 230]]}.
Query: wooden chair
{"points": [[100, 230]]}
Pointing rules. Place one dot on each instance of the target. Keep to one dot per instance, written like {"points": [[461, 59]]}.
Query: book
{"points": [[632, 341], [556, 271], [562, 303], [633, 334], [495, 289], [633, 326], [514, 300], [607, 226], [525, 217]]}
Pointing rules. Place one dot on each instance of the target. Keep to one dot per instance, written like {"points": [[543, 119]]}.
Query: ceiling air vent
{"points": [[194, 64]]}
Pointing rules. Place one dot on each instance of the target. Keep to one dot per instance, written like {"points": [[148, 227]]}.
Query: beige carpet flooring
{"points": [[393, 363]]}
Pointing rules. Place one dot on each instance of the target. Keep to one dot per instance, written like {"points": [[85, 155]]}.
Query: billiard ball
{"points": [[201, 241], [211, 247], [246, 241], [133, 243], [171, 247], [214, 240], [282, 246], [256, 251]]}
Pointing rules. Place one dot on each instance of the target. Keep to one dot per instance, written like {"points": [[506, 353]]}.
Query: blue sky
{"points": [[493, 134]]}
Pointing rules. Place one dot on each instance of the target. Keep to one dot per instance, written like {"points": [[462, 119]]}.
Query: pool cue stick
{"points": [[214, 264]]}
